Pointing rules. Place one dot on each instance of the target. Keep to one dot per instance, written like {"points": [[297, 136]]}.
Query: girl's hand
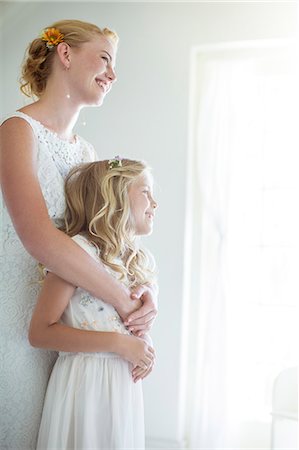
{"points": [[139, 373], [141, 321], [136, 351]]}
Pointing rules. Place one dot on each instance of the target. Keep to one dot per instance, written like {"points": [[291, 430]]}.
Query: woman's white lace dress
{"points": [[24, 371], [92, 401]]}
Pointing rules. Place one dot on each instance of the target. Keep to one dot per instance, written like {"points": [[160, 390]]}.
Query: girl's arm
{"points": [[27, 208], [46, 331]]}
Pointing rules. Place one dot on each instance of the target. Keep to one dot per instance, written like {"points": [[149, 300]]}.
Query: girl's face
{"points": [[91, 71], [142, 204]]}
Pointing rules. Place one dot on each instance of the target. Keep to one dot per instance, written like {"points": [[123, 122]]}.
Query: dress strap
{"points": [[32, 122]]}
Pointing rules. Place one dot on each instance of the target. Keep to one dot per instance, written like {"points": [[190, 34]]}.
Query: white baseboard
{"points": [[164, 444]]}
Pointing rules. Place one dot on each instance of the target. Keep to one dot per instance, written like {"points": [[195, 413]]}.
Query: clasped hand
{"points": [[141, 320], [140, 353]]}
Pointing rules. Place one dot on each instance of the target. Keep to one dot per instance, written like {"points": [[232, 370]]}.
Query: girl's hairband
{"points": [[114, 163]]}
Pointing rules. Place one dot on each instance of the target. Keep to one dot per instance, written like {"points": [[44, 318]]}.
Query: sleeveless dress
{"points": [[92, 401], [24, 371]]}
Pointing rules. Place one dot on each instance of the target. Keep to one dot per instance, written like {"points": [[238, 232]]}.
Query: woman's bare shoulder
{"points": [[15, 123], [16, 131]]}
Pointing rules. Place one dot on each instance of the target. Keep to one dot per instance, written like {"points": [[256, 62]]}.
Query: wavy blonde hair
{"points": [[97, 206], [38, 59]]}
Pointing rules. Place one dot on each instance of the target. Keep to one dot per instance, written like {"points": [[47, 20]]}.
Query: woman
{"points": [[71, 65]]}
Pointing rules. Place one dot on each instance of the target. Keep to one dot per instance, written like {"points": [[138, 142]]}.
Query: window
{"points": [[243, 225]]}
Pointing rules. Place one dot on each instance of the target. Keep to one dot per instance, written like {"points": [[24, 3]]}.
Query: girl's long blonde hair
{"points": [[97, 206]]}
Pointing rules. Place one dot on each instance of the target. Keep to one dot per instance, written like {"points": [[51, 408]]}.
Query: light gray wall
{"points": [[146, 116]]}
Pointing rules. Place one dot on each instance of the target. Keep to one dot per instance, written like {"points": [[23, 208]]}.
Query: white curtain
{"points": [[236, 89]]}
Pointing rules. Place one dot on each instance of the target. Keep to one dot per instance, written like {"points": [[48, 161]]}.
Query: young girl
{"points": [[93, 399]]}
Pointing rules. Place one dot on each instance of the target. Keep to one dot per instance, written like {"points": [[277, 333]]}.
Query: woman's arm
{"points": [[47, 332], [27, 208]]}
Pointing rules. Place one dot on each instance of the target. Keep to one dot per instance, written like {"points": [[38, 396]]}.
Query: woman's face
{"points": [[91, 71]]}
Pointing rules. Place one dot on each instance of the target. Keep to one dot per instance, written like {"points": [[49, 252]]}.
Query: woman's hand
{"points": [[126, 306], [137, 351], [141, 321]]}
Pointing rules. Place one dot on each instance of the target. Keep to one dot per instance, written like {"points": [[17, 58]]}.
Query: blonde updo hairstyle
{"points": [[97, 206], [38, 61]]}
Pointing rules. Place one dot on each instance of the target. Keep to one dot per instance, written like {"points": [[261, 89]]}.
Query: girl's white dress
{"points": [[24, 371], [92, 401]]}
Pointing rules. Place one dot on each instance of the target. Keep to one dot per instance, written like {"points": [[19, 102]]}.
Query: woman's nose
{"points": [[111, 74]]}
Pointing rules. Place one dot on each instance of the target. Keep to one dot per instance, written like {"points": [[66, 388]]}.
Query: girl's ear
{"points": [[64, 54]]}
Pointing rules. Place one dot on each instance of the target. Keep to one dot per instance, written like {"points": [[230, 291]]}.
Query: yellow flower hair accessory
{"points": [[52, 37]]}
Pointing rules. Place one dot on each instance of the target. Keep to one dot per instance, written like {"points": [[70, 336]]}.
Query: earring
{"points": [[66, 68]]}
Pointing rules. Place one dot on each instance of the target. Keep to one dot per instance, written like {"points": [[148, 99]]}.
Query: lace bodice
{"points": [[55, 158]]}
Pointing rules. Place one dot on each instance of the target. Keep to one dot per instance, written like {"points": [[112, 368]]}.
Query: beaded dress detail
{"points": [[24, 370]]}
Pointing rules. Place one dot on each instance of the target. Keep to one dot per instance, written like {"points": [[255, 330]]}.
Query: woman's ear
{"points": [[64, 54]]}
